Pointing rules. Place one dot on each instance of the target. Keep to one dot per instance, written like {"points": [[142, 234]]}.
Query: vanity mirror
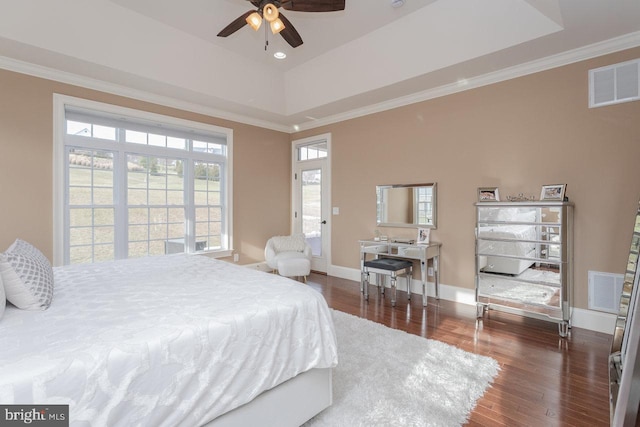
{"points": [[411, 205]]}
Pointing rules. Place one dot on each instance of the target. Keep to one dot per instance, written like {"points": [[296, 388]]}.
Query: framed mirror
{"points": [[406, 205], [624, 369]]}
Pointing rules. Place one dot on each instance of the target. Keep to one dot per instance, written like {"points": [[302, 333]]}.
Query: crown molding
{"points": [[627, 41], [34, 70], [617, 44]]}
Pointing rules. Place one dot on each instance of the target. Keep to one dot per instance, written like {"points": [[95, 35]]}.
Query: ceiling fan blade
{"points": [[313, 5], [289, 34], [255, 3], [240, 22]]}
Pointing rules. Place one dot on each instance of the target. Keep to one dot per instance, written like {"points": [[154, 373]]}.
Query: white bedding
{"points": [[162, 341], [515, 232]]}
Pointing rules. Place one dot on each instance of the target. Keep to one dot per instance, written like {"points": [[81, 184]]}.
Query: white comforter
{"points": [[511, 232], [162, 341]]}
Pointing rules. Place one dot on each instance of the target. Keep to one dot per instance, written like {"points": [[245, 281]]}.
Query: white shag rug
{"points": [[387, 377]]}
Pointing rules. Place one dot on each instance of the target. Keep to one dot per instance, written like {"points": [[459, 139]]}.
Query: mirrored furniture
{"points": [[376, 249], [412, 205], [624, 363], [524, 259]]}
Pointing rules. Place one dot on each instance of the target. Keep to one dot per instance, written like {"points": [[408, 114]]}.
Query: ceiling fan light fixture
{"points": [[270, 12], [254, 20], [277, 26]]}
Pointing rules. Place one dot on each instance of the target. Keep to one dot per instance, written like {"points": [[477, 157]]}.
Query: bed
{"points": [[177, 340]]}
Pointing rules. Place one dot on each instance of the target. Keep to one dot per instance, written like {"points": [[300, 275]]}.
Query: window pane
{"points": [[137, 197], [158, 231], [176, 231], [104, 132], [104, 235], [158, 215], [157, 140], [104, 216], [104, 253], [138, 249], [138, 215], [79, 196], [175, 198], [80, 254], [79, 175], [215, 214], [157, 247], [80, 217], [200, 197], [136, 137], [78, 128], [81, 236], [102, 196], [138, 233], [176, 215], [179, 143]]}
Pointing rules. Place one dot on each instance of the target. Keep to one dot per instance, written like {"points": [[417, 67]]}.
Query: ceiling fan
{"points": [[268, 10]]}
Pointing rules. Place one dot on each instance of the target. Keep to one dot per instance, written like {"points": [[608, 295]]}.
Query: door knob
{"points": [[323, 221]]}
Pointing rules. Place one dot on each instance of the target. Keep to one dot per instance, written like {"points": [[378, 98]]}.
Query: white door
{"points": [[311, 200]]}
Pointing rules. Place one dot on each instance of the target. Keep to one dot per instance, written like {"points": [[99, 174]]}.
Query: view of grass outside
{"points": [[155, 205], [312, 208]]}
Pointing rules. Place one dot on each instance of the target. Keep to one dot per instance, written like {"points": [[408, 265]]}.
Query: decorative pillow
{"points": [[3, 298], [293, 243], [27, 276]]}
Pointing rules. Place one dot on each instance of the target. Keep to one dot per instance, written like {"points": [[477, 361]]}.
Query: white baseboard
{"points": [[580, 318]]}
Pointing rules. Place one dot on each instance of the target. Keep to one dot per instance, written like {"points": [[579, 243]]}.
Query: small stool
{"points": [[290, 267], [391, 267]]}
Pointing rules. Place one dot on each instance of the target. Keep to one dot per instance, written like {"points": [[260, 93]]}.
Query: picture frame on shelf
{"points": [[553, 192], [423, 236], [488, 194]]}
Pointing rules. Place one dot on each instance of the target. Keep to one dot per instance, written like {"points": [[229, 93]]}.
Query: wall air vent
{"points": [[614, 84], [604, 291]]}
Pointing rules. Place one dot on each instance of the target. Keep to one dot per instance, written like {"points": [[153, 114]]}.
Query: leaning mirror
{"points": [[624, 377], [412, 205]]}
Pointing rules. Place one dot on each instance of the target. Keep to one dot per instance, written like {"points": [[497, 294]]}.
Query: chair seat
{"points": [[296, 266], [389, 264]]}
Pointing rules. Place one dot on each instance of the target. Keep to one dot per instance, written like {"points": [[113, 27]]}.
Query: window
{"points": [[134, 184]]}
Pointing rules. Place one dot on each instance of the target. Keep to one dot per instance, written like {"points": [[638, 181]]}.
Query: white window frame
{"points": [[61, 102]]}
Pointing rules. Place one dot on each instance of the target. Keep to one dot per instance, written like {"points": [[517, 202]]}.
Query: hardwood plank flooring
{"points": [[544, 380]]}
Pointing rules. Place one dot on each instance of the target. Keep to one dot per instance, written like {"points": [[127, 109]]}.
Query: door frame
{"points": [[326, 188]]}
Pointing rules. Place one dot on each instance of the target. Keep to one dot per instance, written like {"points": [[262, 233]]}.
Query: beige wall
{"points": [[260, 171], [517, 135]]}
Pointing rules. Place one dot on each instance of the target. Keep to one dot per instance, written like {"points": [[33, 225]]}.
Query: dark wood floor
{"points": [[544, 380]]}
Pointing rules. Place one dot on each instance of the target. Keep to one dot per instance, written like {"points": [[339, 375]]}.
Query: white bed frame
{"points": [[506, 265], [292, 403]]}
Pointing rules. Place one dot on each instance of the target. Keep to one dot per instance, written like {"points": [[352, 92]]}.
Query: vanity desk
{"points": [[403, 250]]}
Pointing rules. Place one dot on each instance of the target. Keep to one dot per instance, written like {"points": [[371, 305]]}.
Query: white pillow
{"points": [[3, 298], [27, 276]]}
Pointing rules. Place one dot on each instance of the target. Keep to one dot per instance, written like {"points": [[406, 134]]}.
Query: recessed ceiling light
{"points": [[279, 55]]}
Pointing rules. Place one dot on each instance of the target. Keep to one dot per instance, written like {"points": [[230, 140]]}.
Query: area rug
{"points": [[387, 377]]}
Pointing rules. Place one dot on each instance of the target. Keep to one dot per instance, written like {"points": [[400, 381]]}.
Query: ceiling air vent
{"points": [[614, 84]]}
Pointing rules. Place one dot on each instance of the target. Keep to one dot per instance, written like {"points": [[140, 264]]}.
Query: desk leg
{"points": [[423, 277], [436, 271]]}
